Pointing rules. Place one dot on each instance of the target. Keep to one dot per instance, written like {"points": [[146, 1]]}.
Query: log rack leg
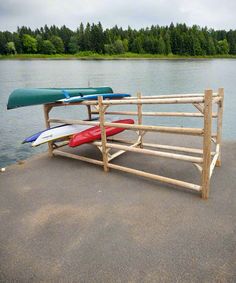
{"points": [[219, 124], [47, 109], [207, 143], [102, 110], [140, 119], [89, 112]]}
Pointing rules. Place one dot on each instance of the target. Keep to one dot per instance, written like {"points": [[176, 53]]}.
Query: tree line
{"points": [[176, 39]]}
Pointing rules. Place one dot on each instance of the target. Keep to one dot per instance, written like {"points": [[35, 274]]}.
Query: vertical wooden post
{"points": [[207, 143], [46, 110], [219, 123], [89, 112], [103, 133], [140, 118]]}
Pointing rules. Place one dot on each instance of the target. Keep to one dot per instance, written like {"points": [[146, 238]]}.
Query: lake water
{"points": [[151, 77]]}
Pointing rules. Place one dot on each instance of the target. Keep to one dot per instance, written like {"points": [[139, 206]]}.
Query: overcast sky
{"points": [[217, 14]]}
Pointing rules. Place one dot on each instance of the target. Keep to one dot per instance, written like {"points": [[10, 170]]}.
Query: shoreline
{"points": [[95, 56]]}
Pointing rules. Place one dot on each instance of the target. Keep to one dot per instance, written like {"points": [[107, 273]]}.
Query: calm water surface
{"points": [[151, 77]]}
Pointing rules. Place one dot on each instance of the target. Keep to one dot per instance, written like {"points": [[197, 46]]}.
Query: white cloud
{"points": [[136, 13]]}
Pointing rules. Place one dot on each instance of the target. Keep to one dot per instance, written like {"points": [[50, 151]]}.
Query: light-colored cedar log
{"points": [[71, 121], [199, 107], [155, 153], [118, 153], [219, 124], [156, 177], [165, 114], [89, 112], [140, 118], [46, 110], [154, 101], [216, 99], [60, 144], [174, 130], [177, 148], [163, 146], [103, 134], [199, 167], [78, 157], [214, 160], [173, 96], [207, 144]]}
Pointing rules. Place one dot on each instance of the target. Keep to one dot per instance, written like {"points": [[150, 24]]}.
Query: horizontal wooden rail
{"points": [[163, 129], [72, 121], [165, 114], [163, 146], [78, 157], [156, 177], [154, 101], [173, 96], [153, 152]]}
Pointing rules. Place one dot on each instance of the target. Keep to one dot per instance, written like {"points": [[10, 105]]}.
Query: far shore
{"points": [[96, 56]]}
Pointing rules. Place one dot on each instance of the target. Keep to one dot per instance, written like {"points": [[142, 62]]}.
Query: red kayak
{"points": [[94, 133]]}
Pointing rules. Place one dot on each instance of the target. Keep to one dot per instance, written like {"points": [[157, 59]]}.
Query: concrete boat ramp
{"points": [[64, 220]]}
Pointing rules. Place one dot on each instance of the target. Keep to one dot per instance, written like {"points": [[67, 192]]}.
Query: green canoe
{"points": [[35, 96]]}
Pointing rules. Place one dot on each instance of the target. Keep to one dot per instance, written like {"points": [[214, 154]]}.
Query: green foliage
{"points": [[58, 44], [10, 48], [119, 47], [176, 39], [222, 47], [29, 44], [47, 47]]}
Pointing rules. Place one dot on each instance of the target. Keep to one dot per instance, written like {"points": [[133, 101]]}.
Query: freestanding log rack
{"points": [[205, 159]]}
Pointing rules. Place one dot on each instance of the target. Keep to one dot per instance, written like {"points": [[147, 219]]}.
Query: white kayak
{"points": [[59, 133]]}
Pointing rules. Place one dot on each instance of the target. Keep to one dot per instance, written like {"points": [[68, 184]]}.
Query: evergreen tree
{"points": [[73, 46]]}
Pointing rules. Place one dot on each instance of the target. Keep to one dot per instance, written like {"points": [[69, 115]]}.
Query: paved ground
{"points": [[67, 221]]}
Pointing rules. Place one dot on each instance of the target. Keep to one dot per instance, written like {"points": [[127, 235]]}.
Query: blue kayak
{"points": [[94, 97]]}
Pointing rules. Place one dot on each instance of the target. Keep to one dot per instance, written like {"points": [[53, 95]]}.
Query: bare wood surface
{"points": [[156, 177], [214, 160], [219, 124], [154, 101], [186, 95], [72, 121], [164, 114], [140, 118], [46, 110], [156, 153], [103, 134], [89, 112], [207, 144], [163, 129], [78, 157]]}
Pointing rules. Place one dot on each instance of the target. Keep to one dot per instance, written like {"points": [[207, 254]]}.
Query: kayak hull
{"points": [[58, 133], [36, 96], [94, 133]]}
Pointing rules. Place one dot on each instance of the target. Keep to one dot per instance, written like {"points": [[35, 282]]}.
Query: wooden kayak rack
{"points": [[205, 159]]}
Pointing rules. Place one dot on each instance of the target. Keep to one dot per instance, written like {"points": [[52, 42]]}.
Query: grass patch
{"points": [[89, 55]]}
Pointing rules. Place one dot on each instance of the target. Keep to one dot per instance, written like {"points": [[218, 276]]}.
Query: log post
{"points": [[207, 143], [103, 133], [89, 112], [46, 110], [140, 119], [219, 124]]}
